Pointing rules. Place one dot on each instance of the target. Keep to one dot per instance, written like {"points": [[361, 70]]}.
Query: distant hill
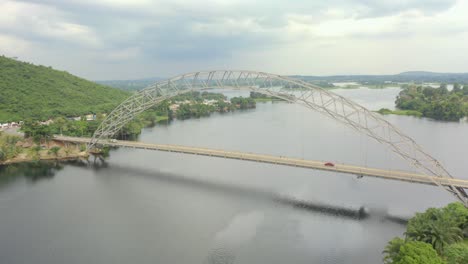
{"points": [[39, 92], [410, 76], [131, 85], [404, 77], [422, 73]]}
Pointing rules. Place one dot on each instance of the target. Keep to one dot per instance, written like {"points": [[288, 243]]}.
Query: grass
{"points": [[263, 100], [380, 86], [161, 118], [385, 111], [349, 86]]}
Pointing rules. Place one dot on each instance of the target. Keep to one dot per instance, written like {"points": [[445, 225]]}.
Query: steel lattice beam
{"points": [[306, 94]]}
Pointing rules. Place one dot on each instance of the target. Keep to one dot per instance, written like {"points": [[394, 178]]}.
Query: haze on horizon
{"points": [[129, 39]]}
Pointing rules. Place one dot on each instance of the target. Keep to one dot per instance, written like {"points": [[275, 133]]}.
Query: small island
{"points": [[437, 103], [199, 104]]}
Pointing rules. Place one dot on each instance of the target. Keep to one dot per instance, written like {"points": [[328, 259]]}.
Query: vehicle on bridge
{"points": [[329, 164]]}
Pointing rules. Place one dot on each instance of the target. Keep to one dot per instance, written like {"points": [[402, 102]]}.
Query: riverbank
{"points": [[15, 149], [265, 100], [44, 157], [359, 86]]}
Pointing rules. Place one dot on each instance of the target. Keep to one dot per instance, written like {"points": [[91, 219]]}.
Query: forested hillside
{"points": [[39, 92]]}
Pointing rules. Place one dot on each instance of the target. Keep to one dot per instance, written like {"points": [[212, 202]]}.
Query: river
{"points": [[157, 207]]}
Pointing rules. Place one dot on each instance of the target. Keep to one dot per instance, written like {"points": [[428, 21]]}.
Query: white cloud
{"points": [[227, 27], [12, 46], [124, 54], [44, 21], [303, 36], [344, 27]]}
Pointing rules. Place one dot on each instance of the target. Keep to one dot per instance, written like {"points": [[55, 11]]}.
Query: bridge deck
{"points": [[311, 164]]}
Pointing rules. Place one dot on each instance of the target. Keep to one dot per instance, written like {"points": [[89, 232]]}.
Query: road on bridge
{"points": [[294, 162]]}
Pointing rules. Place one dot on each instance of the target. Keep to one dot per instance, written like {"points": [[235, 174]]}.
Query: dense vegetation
{"points": [[437, 103], [8, 148], [197, 108], [260, 97], [36, 146], [191, 105], [40, 93], [243, 103], [198, 96], [435, 236], [83, 128]]}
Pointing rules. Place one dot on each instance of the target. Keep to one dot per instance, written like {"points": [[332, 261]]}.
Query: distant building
{"points": [[10, 125], [47, 122], [174, 107], [209, 102], [90, 117]]}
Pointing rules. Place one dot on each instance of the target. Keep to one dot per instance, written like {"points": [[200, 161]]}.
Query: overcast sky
{"points": [[127, 39]]}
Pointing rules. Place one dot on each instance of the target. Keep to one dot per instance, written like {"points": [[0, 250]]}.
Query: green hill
{"points": [[39, 92]]}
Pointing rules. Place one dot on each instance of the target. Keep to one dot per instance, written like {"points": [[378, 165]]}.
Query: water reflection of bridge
{"points": [[294, 162]]}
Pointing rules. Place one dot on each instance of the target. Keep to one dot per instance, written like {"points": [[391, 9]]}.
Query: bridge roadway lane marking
{"points": [[312, 164]]}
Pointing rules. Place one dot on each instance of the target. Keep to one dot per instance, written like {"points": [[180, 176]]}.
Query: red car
{"points": [[329, 164]]}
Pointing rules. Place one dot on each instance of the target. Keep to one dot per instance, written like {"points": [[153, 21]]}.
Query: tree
{"points": [[2, 155], [457, 214], [456, 88], [428, 92], [415, 252], [54, 150], [8, 148], [457, 254], [465, 89], [37, 131], [243, 103], [443, 87], [61, 124], [434, 103], [392, 250], [438, 227], [35, 152]]}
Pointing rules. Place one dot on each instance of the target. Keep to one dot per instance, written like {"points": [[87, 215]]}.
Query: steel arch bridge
{"points": [[292, 90]]}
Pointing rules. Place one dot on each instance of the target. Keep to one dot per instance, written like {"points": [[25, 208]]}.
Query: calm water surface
{"points": [[151, 207]]}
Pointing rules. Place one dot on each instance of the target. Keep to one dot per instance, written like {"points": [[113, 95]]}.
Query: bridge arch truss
{"points": [[292, 90]]}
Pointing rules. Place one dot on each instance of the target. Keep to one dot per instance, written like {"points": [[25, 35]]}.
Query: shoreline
{"points": [[27, 151], [385, 111], [74, 156]]}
